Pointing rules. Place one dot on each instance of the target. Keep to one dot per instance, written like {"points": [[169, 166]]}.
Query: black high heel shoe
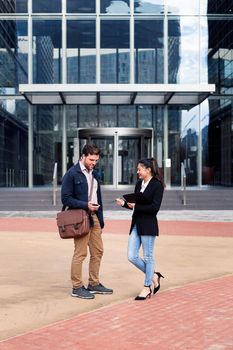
{"points": [[158, 286], [147, 296]]}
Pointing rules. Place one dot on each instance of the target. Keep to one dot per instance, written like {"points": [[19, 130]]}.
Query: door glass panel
{"points": [[146, 148], [104, 166], [129, 150]]}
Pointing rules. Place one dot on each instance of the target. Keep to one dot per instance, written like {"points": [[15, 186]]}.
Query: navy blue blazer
{"points": [[74, 191], [145, 214]]}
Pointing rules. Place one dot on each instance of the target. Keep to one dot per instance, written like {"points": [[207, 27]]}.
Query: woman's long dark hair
{"points": [[153, 165]]}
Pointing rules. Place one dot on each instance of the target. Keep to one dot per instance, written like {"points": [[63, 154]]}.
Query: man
{"points": [[75, 193]]}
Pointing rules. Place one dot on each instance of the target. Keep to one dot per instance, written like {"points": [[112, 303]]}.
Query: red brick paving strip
{"points": [[198, 316], [181, 228]]}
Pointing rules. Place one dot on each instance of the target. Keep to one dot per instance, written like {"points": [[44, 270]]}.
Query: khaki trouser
{"points": [[94, 240]]}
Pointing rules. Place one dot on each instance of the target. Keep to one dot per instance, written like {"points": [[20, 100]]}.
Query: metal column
{"points": [[64, 141], [30, 147]]}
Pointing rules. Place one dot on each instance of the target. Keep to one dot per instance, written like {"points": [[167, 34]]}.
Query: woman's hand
{"points": [[131, 205], [120, 201]]}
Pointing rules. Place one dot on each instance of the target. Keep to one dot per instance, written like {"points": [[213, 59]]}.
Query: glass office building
{"points": [[135, 77]]}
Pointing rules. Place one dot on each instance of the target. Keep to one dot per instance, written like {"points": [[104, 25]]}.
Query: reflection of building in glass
{"points": [[43, 60], [175, 131], [85, 71], [189, 155], [8, 45], [183, 45], [13, 129], [7, 6], [220, 137], [109, 62], [43, 145], [174, 50]]}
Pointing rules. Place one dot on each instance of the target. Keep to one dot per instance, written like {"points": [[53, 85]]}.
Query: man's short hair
{"points": [[90, 149]]}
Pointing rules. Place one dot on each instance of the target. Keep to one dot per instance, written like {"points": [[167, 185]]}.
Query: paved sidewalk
{"points": [[173, 215], [192, 311], [195, 317], [167, 227]]}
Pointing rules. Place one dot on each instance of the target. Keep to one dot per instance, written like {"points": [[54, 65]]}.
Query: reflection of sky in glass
{"points": [[183, 6], [190, 59], [203, 7], [189, 119], [118, 6], [205, 114], [204, 50], [188, 69], [149, 6]]}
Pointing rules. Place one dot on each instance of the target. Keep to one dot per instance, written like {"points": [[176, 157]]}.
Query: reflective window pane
{"points": [[129, 152], [183, 143], [127, 116], [204, 44], [13, 143], [220, 54], [21, 6], [114, 7], [183, 50], [47, 55], [203, 6], [81, 53], [149, 6], [72, 119], [87, 116], [144, 116], [47, 143], [80, 6], [104, 166], [189, 144], [13, 55], [43, 6], [149, 52], [217, 7], [208, 166], [115, 54], [183, 7], [16, 6], [107, 116]]}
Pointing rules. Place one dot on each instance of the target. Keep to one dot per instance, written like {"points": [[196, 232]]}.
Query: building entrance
{"points": [[121, 148]]}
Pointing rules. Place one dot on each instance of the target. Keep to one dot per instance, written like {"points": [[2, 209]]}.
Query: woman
{"points": [[144, 225]]}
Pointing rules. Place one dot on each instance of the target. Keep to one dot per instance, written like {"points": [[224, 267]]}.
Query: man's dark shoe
{"points": [[82, 293], [99, 289]]}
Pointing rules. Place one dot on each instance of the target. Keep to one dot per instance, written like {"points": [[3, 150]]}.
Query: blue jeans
{"points": [[147, 264]]}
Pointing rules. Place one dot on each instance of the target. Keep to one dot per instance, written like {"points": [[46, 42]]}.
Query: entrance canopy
{"points": [[117, 94]]}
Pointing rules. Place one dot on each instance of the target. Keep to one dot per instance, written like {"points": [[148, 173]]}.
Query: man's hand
{"points": [[93, 206]]}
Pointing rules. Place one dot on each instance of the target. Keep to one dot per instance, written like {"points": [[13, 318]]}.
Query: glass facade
{"points": [[116, 42]]}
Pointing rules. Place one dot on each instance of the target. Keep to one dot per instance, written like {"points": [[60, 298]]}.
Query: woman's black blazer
{"points": [[145, 214]]}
